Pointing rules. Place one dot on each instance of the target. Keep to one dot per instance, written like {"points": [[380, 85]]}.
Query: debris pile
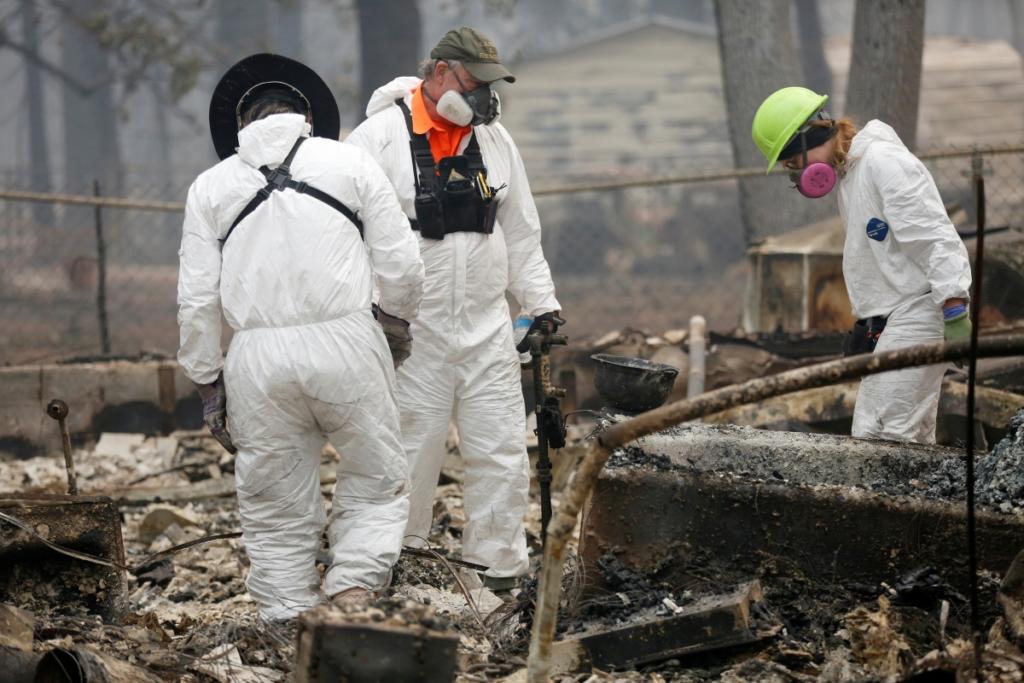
{"points": [[999, 474], [186, 615]]}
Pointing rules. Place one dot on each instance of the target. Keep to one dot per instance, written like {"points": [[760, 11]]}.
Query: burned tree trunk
{"points": [[243, 27], [91, 145], [756, 51], [817, 75], [38, 150], [288, 29], [389, 38], [1017, 17], [885, 64]]}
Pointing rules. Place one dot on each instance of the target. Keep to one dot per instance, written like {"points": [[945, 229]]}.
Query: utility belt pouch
{"points": [[459, 200], [459, 195], [430, 215], [488, 210], [864, 336]]}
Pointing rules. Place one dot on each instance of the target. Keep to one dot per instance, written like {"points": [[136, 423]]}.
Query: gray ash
{"points": [[999, 475], [415, 571], [632, 457]]}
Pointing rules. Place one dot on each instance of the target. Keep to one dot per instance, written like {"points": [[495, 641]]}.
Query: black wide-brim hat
{"points": [[245, 78]]}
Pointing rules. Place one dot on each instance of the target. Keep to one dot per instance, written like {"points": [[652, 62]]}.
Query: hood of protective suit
{"points": [[384, 96], [267, 142], [874, 131]]}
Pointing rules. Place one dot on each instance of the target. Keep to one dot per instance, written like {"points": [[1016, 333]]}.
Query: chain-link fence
{"points": [[86, 277], [79, 280], [649, 254]]}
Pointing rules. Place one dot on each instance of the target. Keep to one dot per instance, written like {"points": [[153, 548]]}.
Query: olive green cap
{"points": [[475, 51]]}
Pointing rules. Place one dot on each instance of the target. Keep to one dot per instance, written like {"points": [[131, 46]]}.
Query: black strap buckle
{"points": [[278, 178]]}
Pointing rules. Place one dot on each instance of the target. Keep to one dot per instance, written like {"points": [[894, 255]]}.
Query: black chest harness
{"points": [[280, 179], [452, 195]]}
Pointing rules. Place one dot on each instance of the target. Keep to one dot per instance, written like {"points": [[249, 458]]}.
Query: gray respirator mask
{"points": [[478, 107]]}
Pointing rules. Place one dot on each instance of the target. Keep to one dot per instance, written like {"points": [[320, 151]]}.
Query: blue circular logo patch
{"points": [[877, 229]]}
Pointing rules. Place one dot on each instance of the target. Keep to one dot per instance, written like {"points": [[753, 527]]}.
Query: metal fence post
{"points": [[101, 284], [978, 183]]}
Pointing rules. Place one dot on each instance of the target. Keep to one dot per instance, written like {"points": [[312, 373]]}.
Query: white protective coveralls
{"points": [[902, 258], [464, 365], [307, 362]]}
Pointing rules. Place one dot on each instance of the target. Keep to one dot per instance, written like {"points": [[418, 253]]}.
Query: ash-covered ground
{"points": [[999, 474], [190, 619]]}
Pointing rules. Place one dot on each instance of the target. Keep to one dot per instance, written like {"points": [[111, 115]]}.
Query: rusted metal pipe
{"points": [[540, 350], [58, 410], [18, 666], [81, 664], [695, 376], [600, 449]]}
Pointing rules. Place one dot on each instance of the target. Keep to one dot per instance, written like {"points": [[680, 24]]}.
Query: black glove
{"points": [[215, 403], [552, 423], [548, 323], [396, 331]]}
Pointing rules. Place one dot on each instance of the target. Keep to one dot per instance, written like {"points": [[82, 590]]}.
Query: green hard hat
{"points": [[780, 116]]}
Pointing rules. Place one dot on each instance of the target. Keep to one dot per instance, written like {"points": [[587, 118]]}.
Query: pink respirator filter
{"points": [[817, 180]]}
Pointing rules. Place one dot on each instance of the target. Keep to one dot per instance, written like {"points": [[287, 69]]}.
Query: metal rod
{"points": [[540, 365], [600, 449], [58, 410], [975, 315], [101, 280], [695, 375]]}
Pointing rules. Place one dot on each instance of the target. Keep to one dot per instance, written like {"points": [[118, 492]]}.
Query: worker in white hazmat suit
{"points": [[286, 237], [906, 268], [459, 177]]}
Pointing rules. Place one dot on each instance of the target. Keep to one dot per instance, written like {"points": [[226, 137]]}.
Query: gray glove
{"points": [[396, 331], [215, 414]]}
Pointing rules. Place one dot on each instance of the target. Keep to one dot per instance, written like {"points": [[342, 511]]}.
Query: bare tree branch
{"points": [[45, 65]]}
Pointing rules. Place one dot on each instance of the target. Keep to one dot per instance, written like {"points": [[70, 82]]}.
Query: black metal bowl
{"points": [[632, 384]]}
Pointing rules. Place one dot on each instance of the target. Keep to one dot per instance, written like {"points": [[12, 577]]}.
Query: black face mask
{"points": [[483, 101]]}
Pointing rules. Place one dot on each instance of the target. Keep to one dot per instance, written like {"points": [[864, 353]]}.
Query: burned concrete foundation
{"points": [[745, 503], [152, 397]]}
